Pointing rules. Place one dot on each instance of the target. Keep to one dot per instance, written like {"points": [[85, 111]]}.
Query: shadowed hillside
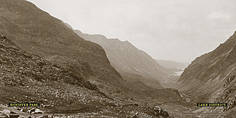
{"points": [[211, 77], [127, 59], [35, 31], [30, 78], [43, 60], [27, 77]]}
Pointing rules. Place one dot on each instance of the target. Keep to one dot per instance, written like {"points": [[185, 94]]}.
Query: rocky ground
{"points": [[27, 77]]}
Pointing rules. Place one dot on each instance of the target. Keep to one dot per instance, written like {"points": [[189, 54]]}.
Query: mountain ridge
{"points": [[50, 38], [126, 58]]}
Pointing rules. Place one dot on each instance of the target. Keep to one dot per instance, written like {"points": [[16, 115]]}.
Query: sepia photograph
{"points": [[117, 59]]}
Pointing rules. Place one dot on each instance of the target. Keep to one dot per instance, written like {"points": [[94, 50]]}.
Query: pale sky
{"points": [[178, 30]]}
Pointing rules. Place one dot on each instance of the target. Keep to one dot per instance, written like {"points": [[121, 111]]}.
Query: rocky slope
{"points": [[127, 59], [25, 77], [35, 31], [42, 60], [211, 77]]}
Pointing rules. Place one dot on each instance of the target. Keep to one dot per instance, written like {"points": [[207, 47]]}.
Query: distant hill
{"points": [[172, 66], [126, 58], [212, 76]]}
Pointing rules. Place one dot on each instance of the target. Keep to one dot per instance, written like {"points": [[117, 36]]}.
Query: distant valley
{"points": [[127, 59], [173, 67]]}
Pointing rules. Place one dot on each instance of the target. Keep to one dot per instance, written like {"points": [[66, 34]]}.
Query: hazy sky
{"points": [[166, 29]]}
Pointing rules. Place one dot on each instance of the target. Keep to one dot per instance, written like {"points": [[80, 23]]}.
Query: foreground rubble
{"points": [[27, 77]]}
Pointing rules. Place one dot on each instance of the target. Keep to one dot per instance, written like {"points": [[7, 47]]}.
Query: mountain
{"points": [[23, 75], [44, 61], [127, 59], [211, 77], [36, 32], [145, 78], [26, 78]]}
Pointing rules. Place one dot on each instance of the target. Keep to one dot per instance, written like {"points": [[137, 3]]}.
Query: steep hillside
{"points": [[35, 31], [26, 78], [42, 60], [126, 58], [211, 77]]}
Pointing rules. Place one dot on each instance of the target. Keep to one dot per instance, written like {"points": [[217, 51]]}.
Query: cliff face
{"points": [[39, 33], [211, 77], [126, 58]]}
